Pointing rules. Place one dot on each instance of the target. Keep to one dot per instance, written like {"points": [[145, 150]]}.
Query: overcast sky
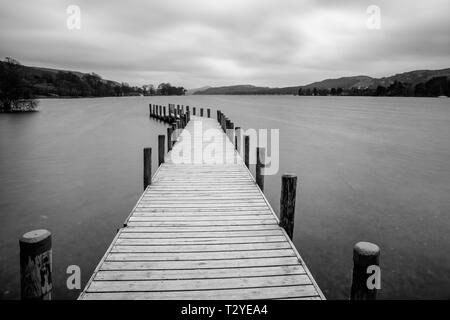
{"points": [[213, 42]]}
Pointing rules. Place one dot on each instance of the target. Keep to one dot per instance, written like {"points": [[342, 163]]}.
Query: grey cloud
{"points": [[203, 42]]}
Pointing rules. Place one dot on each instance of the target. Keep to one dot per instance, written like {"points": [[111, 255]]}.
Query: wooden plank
{"points": [[198, 284], [200, 229], [200, 223], [223, 294], [198, 240], [198, 273], [203, 248], [216, 234], [198, 264], [192, 256]]}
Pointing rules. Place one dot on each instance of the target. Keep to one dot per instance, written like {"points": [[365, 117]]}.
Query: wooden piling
{"points": [[246, 150], [208, 112], [147, 167], [164, 113], [150, 109], [169, 139], [201, 112], [36, 265], [174, 132], [193, 111], [287, 203], [260, 161], [365, 254], [161, 138]]}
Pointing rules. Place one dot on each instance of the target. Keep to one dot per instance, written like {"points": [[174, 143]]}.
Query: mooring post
{"points": [[150, 109], [260, 161], [187, 109], [193, 111], [161, 139], [174, 132], [188, 116], [218, 115], [287, 203], [208, 112], [237, 139], [36, 265], [201, 112], [164, 113], [365, 255], [169, 139], [160, 112], [147, 167], [246, 150]]}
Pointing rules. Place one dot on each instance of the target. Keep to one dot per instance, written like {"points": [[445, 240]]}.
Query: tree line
{"points": [[20, 86], [434, 87]]}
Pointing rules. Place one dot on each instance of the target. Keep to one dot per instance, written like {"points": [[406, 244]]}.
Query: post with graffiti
{"points": [[36, 265]]}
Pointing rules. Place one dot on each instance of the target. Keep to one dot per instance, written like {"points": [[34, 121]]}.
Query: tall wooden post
{"points": [[160, 112], [36, 265], [161, 138], [147, 167], [247, 150], [238, 142], [187, 109], [260, 161], [150, 109], [208, 112], [164, 113], [365, 254], [169, 139], [174, 132], [193, 111], [201, 112], [287, 203]]}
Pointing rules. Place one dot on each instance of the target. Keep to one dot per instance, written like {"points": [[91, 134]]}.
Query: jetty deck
{"points": [[202, 230]]}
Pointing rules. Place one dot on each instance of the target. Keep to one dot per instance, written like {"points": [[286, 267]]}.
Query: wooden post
{"points": [[164, 113], [150, 109], [246, 150], [193, 111], [208, 112], [260, 160], [36, 265], [365, 254], [147, 167], [218, 116], [201, 112], [160, 112], [238, 142], [161, 138], [174, 132], [188, 116], [187, 109], [287, 203], [169, 139]]}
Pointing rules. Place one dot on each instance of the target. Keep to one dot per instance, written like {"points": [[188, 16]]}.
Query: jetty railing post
{"points": [[174, 132], [161, 139], [164, 113], [287, 203], [150, 109], [193, 111], [208, 112], [36, 265], [187, 109], [238, 139], [147, 167], [260, 160], [218, 115], [246, 150], [160, 112], [201, 112], [188, 116], [365, 254], [169, 139]]}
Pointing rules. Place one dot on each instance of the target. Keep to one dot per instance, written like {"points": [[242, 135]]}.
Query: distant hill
{"points": [[356, 85], [193, 91]]}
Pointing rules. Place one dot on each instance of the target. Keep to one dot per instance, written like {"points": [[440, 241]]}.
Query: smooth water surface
{"points": [[373, 169]]}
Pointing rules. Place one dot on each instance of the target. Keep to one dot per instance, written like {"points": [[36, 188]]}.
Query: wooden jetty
{"points": [[201, 230]]}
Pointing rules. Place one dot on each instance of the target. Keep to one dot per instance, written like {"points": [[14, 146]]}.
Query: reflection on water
{"points": [[374, 169]]}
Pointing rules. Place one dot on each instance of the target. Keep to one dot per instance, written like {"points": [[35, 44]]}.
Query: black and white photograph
{"points": [[224, 150]]}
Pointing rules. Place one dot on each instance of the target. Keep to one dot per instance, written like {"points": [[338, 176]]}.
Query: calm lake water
{"points": [[373, 169]]}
